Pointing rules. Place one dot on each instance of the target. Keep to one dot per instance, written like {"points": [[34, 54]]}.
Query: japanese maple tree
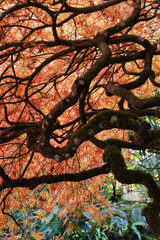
{"points": [[76, 78]]}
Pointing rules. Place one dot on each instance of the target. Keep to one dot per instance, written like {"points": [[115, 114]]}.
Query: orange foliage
{"points": [[51, 84]]}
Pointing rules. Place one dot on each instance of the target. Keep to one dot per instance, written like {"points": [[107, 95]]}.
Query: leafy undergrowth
{"points": [[119, 226]]}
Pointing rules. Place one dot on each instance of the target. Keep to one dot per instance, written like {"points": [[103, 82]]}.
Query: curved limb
{"points": [[112, 155]]}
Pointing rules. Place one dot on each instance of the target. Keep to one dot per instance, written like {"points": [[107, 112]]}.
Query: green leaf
{"points": [[98, 232], [136, 231], [78, 229]]}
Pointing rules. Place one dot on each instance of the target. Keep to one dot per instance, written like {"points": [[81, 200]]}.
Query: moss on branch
{"points": [[152, 213], [106, 120], [112, 155]]}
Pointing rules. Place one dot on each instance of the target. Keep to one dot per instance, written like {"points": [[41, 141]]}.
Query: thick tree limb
{"points": [[112, 155], [127, 95], [102, 121], [49, 179], [76, 90]]}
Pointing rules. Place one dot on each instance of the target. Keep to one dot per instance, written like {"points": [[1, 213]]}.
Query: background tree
{"points": [[75, 77]]}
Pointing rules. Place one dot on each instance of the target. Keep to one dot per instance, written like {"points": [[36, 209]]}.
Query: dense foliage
{"points": [[76, 78]]}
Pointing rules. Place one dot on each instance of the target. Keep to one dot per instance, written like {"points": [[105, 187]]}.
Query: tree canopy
{"points": [[77, 79]]}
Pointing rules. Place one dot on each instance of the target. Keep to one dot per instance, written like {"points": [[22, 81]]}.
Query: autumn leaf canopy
{"points": [[78, 80]]}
